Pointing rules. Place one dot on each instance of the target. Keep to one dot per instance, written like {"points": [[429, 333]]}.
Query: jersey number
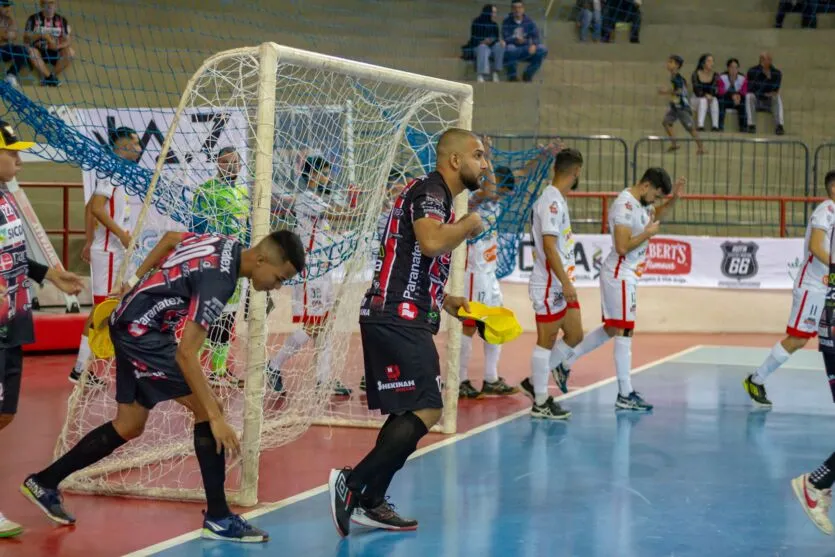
{"points": [[203, 248]]}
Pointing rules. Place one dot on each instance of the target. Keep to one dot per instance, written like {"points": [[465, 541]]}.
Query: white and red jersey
{"points": [[628, 211], [117, 207], [813, 273], [483, 254], [311, 222], [551, 218]]}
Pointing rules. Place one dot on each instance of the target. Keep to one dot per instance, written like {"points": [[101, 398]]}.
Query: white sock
{"points": [[84, 353], [623, 364], [294, 342], [323, 364], [491, 362], [561, 352], [590, 342], [464, 357], [539, 373], [776, 358]]}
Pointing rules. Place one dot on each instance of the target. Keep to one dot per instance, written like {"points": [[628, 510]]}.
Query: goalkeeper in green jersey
{"points": [[221, 206]]}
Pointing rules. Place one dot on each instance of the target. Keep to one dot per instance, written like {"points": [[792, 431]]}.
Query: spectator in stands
{"points": [[522, 38], [764, 82], [679, 105], [590, 18], [809, 9], [628, 11], [705, 91], [21, 56], [485, 43], [49, 32], [732, 89]]}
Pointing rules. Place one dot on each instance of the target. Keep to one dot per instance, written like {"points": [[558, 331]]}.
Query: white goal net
{"points": [[317, 144]]}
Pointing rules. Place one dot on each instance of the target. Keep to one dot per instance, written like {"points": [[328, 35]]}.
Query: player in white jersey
{"points": [[808, 295], [551, 287], [106, 224], [312, 298], [633, 220]]}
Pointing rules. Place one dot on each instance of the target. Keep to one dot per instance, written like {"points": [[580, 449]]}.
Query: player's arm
{"points": [[626, 242], [188, 360], [436, 238], [67, 282], [662, 209], [167, 243], [98, 207], [818, 245], [66, 38]]}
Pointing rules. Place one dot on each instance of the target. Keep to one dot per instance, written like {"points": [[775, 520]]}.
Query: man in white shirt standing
{"points": [[808, 295], [633, 220], [551, 287], [106, 219]]}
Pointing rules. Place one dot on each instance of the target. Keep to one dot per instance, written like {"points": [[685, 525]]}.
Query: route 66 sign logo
{"points": [[739, 260]]}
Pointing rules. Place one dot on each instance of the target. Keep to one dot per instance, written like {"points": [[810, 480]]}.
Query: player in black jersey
{"points": [[398, 318], [185, 277]]}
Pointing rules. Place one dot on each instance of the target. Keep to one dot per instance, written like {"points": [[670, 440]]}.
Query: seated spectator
{"points": [[764, 93], [628, 11], [522, 38], [485, 44], [705, 91], [21, 56], [590, 18], [49, 33], [809, 9], [732, 89]]}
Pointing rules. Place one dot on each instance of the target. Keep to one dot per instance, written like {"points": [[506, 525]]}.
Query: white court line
{"points": [[195, 534]]}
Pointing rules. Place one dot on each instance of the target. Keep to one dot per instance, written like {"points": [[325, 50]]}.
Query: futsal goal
{"points": [[367, 123]]}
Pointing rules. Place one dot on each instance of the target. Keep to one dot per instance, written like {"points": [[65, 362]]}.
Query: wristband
{"points": [[133, 281]]}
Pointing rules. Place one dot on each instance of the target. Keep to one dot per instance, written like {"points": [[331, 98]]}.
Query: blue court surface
{"points": [[705, 474]]}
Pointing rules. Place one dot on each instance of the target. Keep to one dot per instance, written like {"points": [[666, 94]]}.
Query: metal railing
{"points": [[824, 162]]}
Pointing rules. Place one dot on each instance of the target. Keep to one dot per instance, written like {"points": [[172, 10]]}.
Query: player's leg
{"points": [[814, 490], [493, 384], [320, 304], [11, 367], [669, 119], [686, 119], [293, 343], [403, 374], [563, 350], [218, 343], [219, 522], [103, 266], [465, 387]]}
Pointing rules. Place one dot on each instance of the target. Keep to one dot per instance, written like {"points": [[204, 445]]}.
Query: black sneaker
{"points": [[756, 392], [383, 516], [498, 388], [343, 500], [561, 374], [551, 410], [634, 402], [466, 390], [92, 380], [779, 130], [752, 129], [527, 388], [48, 500]]}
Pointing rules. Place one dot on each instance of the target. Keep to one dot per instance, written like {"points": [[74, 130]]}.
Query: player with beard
{"points": [[399, 315], [633, 220]]}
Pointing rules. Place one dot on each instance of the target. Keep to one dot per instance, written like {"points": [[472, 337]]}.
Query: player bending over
{"points": [[551, 287], [399, 315], [186, 276], [808, 295], [633, 220]]}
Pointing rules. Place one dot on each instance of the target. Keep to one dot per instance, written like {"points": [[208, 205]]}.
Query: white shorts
{"points": [[484, 288], [549, 303], [105, 270], [807, 305], [312, 300], [619, 302]]}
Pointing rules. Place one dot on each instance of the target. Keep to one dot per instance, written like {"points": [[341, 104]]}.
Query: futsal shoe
{"points": [[634, 402], [756, 392], [9, 529], [466, 390], [527, 388], [91, 380], [498, 388], [815, 502], [550, 410], [384, 517], [232, 528], [48, 500], [343, 500], [561, 374]]}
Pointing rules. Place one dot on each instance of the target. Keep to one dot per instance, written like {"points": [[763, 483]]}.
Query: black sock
{"points": [[212, 469], [96, 445], [397, 440], [829, 363], [824, 476]]}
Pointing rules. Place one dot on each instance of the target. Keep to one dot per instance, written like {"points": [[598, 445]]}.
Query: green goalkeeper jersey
{"points": [[221, 208]]}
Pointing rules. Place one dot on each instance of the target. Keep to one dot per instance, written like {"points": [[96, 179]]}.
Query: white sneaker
{"points": [[480, 78], [8, 528], [815, 502], [495, 77]]}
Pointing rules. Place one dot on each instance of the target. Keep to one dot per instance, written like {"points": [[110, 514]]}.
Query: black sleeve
{"points": [[30, 23], [210, 291], [429, 202], [36, 271], [698, 87]]}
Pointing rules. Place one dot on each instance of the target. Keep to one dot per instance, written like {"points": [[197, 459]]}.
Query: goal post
{"points": [[361, 113]]}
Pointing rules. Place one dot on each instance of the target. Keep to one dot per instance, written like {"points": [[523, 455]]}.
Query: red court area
{"points": [[110, 526]]}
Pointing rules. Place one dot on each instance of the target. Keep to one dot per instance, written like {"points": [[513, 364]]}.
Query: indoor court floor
{"points": [[705, 473]]}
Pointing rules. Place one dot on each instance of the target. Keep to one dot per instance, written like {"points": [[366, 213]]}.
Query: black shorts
{"points": [[11, 368], [402, 368], [49, 55], [146, 369]]}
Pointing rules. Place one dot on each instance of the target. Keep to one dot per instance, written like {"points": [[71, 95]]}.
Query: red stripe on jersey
{"points": [[391, 245], [800, 311], [617, 267], [803, 272], [547, 293], [623, 299], [112, 213]]}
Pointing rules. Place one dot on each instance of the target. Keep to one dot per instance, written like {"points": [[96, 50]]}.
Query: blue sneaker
{"points": [[561, 374], [232, 528], [48, 500], [633, 402]]}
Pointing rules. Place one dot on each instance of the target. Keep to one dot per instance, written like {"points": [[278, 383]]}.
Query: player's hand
{"points": [[85, 252], [225, 437], [569, 292], [453, 303], [476, 225], [679, 186], [653, 228], [532, 49], [124, 238], [67, 282]]}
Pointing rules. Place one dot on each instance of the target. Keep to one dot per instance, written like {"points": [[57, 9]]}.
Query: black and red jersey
{"points": [[16, 326], [194, 282], [408, 287]]}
